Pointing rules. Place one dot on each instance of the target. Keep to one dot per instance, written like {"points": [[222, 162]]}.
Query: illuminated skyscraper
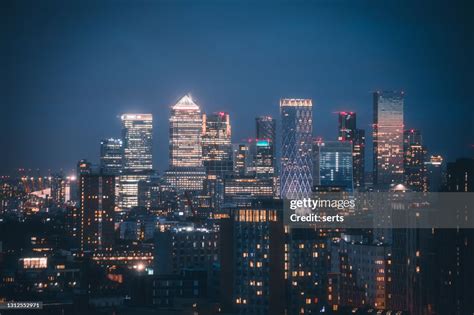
{"points": [[296, 159], [265, 155], [111, 156], [96, 211], [388, 139], [258, 237], [414, 161], [137, 156], [185, 134], [264, 158], [347, 126], [266, 128], [358, 157], [137, 142], [216, 144], [348, 132], [241, 158], [186, 168]]}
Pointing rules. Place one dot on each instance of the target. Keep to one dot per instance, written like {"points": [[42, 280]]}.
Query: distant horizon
{"points": [[368, 153]]}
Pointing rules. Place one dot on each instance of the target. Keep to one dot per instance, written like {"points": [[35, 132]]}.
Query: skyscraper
{"points": [[137, 142], [241, 157], [258, 236], [185, 134], [265, 146], [388, 138], [266, 128], [111, 156], [358, 157], [414, 161], [216, 144], [435, 169], [137, 156], [96, 211], [333, 164], [264, 158], [296, 159], [348, 132], [460, 175], [347, 126], [186, 171]]}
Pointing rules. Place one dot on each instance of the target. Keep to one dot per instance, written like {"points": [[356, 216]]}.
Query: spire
{"points": [[186, 102]]}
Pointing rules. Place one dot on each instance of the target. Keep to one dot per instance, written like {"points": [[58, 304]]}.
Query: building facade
{"points": [[388, 138], [137, 132], [97, 193], [415, 152], [216, 144], [296, 158], [333, 164], [186, 172], [111, 155]]}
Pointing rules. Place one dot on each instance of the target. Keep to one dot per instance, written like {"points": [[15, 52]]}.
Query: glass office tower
{"points": [[186, 171], [216, 144], [388, 138], [333, 164], [296, 156], [137, 156], [348, 132], [185, 134], [137, 142], [111, 156]]}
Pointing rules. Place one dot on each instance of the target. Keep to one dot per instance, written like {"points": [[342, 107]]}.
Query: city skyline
{"points": [[236, 157], [387, 49]]}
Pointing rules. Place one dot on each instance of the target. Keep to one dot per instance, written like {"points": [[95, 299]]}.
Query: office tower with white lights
{"points": [[186, 172], [216, 144], [137, 156], [296, 146], [388, 139]]}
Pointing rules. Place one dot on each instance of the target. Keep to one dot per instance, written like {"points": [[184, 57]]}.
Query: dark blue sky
{"points": [[68, 69]]}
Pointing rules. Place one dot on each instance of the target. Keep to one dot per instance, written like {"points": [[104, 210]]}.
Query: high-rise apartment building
{"points": [[296, 157], [97, 193], [388, 138], [258, 236]]}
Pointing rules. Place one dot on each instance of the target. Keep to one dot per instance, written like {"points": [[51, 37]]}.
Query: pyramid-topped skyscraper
{"points": [[185, 149]]}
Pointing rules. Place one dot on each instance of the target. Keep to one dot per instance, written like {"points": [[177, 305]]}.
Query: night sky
{"points": [[69, 69]]}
